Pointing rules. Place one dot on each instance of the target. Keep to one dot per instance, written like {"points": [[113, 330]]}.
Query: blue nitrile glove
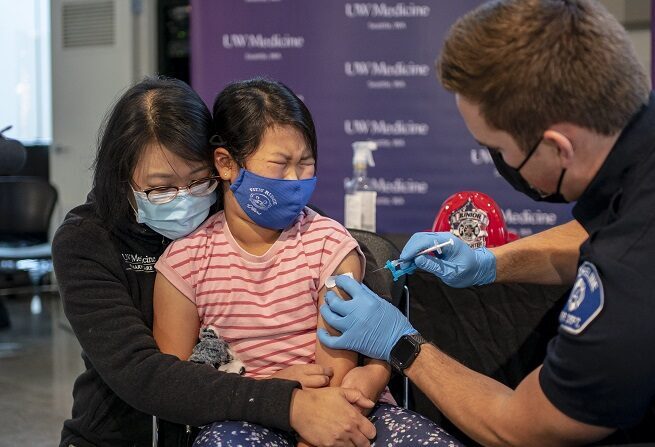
{"points": [[368, 324], [458, 266]]}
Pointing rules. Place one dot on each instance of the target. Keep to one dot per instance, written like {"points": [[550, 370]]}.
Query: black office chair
{"points": [[378, 250], [26, 206]]}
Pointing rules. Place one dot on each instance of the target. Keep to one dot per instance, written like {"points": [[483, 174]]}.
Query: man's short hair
{"points": [[530, 64]]}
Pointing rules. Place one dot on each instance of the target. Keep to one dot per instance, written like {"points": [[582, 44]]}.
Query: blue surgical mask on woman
{"points": [[270, 202], [174, 219]]}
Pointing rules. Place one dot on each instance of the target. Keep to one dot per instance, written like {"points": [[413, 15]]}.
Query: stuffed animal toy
{"points": [[214, 351]]}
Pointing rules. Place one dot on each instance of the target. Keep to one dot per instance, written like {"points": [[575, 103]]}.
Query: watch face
{"points": [[404, 352]]}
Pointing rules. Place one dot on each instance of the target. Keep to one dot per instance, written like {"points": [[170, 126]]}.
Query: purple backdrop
{"points": [[366, 71]]}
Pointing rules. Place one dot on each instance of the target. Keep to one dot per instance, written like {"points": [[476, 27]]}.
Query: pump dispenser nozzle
{"points": [[363, 153]]}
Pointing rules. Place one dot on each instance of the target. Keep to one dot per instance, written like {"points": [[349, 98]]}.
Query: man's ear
{"points": [[226, 167], [562, 142]]}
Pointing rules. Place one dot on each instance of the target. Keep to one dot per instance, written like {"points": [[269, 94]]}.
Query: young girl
{"points": [[255, 272]]}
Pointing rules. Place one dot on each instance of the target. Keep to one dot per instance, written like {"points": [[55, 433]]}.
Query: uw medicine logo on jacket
{"points": [[139, 263]]}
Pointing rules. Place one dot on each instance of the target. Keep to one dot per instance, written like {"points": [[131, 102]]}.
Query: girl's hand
{"points": [[370, 380], [309, 376]]}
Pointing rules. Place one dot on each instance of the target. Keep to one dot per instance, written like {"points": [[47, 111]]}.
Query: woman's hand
{"points": [[330, 416], [309, 376]]}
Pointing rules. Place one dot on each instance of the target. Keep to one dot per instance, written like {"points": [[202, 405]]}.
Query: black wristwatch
{"points": [[405, 352]]}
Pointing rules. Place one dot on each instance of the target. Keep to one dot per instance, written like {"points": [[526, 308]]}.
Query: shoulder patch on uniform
{"points": [[585, 301]]}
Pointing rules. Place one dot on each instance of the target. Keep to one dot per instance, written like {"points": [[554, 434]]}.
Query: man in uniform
{"points": [[553, 88]]}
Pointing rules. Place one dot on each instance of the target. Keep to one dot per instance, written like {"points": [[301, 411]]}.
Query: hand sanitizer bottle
{"points": [[360, 196]]}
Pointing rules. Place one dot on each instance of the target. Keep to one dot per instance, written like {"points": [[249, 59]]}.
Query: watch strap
{"points": [[400, 364], [418, 338]]}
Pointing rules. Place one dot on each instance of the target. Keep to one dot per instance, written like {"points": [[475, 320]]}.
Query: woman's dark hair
{"points": [[245, 109], [157, 110]]}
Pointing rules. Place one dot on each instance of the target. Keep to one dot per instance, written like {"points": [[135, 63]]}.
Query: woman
{"points": [[153, 182]]}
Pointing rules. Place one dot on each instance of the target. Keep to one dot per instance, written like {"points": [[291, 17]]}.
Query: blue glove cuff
{"points": [[486, 273]]}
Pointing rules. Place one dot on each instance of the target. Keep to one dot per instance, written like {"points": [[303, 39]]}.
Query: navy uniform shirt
{"points": [[600, 368]]}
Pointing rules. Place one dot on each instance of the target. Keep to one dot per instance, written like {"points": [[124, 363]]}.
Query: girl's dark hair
{"points": [[245, 109], [157, 110]]}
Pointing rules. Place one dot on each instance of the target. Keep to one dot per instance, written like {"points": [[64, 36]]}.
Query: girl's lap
{"points": [[241, 433], [394, 425]]}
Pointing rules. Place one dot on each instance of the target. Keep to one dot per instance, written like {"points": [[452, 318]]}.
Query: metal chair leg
{"points": [[155, 432], [405, 379]]}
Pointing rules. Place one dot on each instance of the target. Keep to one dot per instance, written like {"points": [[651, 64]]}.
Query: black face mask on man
{"points": [[514, 177]]}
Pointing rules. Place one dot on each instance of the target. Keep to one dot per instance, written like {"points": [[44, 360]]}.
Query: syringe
{"points": [[393, 266], [436, 247]]}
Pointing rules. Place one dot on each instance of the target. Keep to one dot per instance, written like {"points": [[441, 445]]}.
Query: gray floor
{"points": [[39, 361]]}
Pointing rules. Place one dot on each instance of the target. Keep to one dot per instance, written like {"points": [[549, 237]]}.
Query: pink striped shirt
{"points": [[264, 306]]}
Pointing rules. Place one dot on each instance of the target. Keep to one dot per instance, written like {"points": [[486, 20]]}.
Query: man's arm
{"points": [[549, 257], [492, 413], [486, 410]]}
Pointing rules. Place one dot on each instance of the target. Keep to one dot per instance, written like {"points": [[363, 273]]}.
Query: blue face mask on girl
{"points": [[270, 202], [177, 218]]}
